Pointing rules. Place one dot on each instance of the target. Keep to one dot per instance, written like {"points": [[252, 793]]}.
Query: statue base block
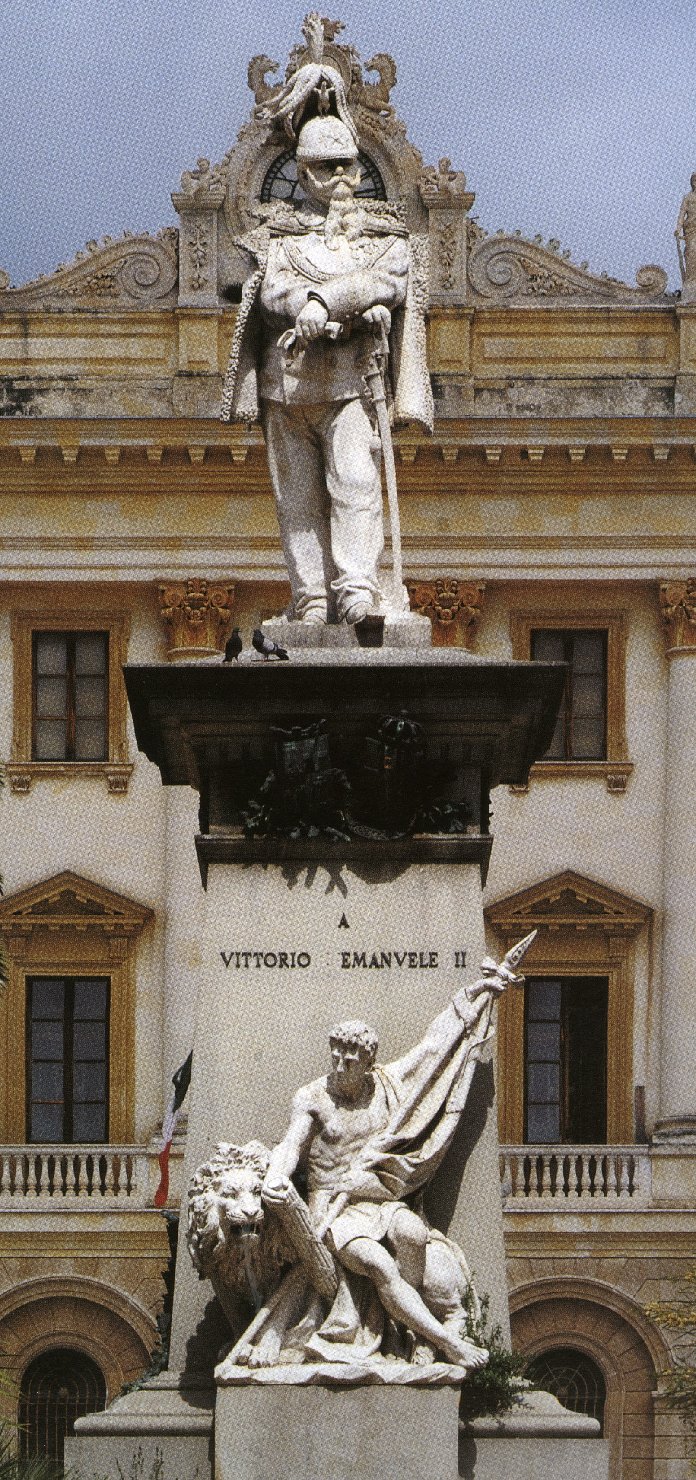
{"points": [[406, 631], [290, 1433], [281, 1432]]}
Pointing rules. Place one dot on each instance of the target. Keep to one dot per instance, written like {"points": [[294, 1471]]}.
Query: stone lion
{"points": [[248, 1254], [233, 1241]]}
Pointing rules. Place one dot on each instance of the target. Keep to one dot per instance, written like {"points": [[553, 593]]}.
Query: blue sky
{"points": [[573, 118]]}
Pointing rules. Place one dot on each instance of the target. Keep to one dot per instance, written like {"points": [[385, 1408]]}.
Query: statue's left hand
{"points": [[378, 317]]}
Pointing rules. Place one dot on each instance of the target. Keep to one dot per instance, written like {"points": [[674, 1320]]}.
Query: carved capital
{"points": [[678, 607], [454, 608], [197, 615]]}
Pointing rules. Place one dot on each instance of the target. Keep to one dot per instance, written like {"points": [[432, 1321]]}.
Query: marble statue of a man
{"points": [[366, 1137], [355, 1274], [373, 1233], [685, 232], [329, 284]]}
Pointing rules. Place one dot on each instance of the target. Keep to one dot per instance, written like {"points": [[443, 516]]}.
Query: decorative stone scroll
{"points": [[197, 615], [454, 608], [507, 267], [135, 271], [678, 607]]}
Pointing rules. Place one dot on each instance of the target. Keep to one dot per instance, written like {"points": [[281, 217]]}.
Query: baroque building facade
{"points": [[549, 516]]}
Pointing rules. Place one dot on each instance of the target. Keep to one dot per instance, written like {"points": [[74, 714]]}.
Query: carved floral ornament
{"points": [[678, 607], [452, 606], [197, 614]]}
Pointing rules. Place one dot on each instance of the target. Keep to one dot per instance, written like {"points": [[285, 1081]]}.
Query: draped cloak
{"points": [[431, 1084]]}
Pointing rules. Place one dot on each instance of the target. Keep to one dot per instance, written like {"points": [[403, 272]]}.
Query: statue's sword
{"points": [[376, 382], [680, 252]]}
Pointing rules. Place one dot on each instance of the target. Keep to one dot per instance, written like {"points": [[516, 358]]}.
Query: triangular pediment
{"points": [[68, 900], [567, 900]]}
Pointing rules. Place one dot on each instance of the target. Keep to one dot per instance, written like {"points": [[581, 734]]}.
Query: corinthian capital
{"points": [[678, 607], [454, 608], [197, 615]]}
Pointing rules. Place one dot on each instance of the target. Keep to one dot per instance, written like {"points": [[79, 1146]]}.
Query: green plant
{"points": [[493, 1388], [679, 1385]]}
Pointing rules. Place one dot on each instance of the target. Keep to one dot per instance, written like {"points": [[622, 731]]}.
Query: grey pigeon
{"points": [[268, 648], [233, 646]]}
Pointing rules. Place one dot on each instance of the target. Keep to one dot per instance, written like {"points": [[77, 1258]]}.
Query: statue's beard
{"points": [[343, 216]]}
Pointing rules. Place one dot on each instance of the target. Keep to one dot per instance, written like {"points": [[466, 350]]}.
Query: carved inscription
{"points": [[368, 960]]}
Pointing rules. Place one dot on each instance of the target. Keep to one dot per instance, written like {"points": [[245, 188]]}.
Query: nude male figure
{"points": [[333, 1120]]}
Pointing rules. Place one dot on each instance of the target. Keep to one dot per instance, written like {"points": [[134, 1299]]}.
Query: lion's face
{"points": [[239, 1200], [225, 1207]]}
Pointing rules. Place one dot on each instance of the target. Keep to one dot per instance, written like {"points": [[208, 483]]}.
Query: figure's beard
{"points": [[343, 216]]}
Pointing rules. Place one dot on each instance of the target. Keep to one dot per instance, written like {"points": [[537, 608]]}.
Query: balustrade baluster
{"points": [[542, 1169], [72, 1175], [29, 1174], [527, 1170]]}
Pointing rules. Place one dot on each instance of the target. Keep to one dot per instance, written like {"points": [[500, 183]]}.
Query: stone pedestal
{"points": [[295, 1433], [305, 926], [263, 1027], [164, 1428]]}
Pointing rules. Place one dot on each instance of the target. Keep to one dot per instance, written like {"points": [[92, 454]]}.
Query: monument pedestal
{"points": [[292, 1433], [343, 842]]}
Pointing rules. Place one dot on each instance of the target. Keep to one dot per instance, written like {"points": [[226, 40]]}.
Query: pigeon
{"points": [[268, 648], [233, 646]]}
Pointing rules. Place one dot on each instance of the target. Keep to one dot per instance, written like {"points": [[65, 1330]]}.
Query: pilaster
{"points": [[677, 1117], [444, 193], [198, 201]]}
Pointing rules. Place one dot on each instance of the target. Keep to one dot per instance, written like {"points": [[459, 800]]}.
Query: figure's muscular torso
{"points": [[342, 1129]]}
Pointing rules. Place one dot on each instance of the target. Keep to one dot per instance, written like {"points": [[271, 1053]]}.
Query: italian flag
{"points": [[181, 1081]]}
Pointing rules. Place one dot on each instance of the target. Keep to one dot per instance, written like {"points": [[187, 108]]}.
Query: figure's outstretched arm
{"points": [[287, 1155]]}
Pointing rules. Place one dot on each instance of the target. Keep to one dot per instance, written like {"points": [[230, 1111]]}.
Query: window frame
{"points": [[583, 929], [71, 676], [564, 1057], [616, 767], [69, 981], [46, 935], [23, 769]]}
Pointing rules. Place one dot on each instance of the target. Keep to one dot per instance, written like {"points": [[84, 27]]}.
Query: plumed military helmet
{"points": [[326, 138]]}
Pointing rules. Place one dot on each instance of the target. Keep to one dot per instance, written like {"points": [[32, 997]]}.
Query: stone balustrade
{"points": [[574, 1178], [57, 1177]]}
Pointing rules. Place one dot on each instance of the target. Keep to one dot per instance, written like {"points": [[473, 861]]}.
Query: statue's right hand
{"points": [[275, 1190]]}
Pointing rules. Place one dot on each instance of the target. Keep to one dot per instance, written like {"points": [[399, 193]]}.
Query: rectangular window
{"points": [[565, 1068], [70, 696], [581, 727], [67, 1058]]}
